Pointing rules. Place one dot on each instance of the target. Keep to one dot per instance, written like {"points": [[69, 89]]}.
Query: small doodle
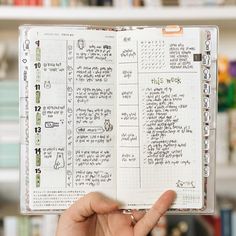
{"points": [[185, 184], [51, 124], [26, 44], [47, 84], [59, 162], [81, 44], [108, 126]]}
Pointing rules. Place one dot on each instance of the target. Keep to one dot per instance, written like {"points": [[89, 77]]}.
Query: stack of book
{"points": [[9, 128]]}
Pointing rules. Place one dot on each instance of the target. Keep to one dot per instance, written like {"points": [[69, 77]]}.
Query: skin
{"points": [[97, 215]]}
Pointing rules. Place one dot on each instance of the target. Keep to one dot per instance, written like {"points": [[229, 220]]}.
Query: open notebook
{"points": [[127, 111]]}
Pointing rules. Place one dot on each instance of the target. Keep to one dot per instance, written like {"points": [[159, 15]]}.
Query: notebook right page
{"points": [[166, 71]]}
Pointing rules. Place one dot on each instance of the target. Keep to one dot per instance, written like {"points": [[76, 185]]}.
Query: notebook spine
{"points": [[206, 71], [209, 90], [24, 45]]}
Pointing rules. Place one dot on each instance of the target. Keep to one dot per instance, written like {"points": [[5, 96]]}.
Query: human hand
{"points": [[97, 215]]}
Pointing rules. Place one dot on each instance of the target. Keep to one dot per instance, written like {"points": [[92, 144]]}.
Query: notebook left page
{"points": [[71, 76]]}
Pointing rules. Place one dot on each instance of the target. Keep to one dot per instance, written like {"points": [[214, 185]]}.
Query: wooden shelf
{"points": [[201, 14]]}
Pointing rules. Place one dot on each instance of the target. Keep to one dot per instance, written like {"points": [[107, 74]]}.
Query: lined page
{"points": [[71, 115], [163, 93]]}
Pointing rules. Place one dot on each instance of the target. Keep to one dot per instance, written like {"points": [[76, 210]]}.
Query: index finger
{"points": [[146, 224]]}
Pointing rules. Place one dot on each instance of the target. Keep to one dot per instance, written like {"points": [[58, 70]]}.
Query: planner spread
{"points": [[126, 111]]}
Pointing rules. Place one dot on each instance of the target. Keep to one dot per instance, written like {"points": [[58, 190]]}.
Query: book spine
{"points": [[17, 2], [92, 2], [39, 2], [46, 3], [152, 3], [107, 2], [10, 224], [20, 2], [217, 225], [32, 3], [232, 141], [226, 221], [72, 3], [55, 3], [24, 226], [222, 140], [36, 226], [99, 3], [9, 2], [136, 3], [49, 224], [234, 223], [3, 57], [64, 3], [122, 3]]}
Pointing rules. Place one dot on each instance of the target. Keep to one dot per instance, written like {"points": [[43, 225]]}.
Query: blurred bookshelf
{"points": [[217, 14], [12, 16], [224, 17]]}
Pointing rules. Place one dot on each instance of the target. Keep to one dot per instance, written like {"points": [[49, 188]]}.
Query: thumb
{"points": [[89, 204], [151, 218]]}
